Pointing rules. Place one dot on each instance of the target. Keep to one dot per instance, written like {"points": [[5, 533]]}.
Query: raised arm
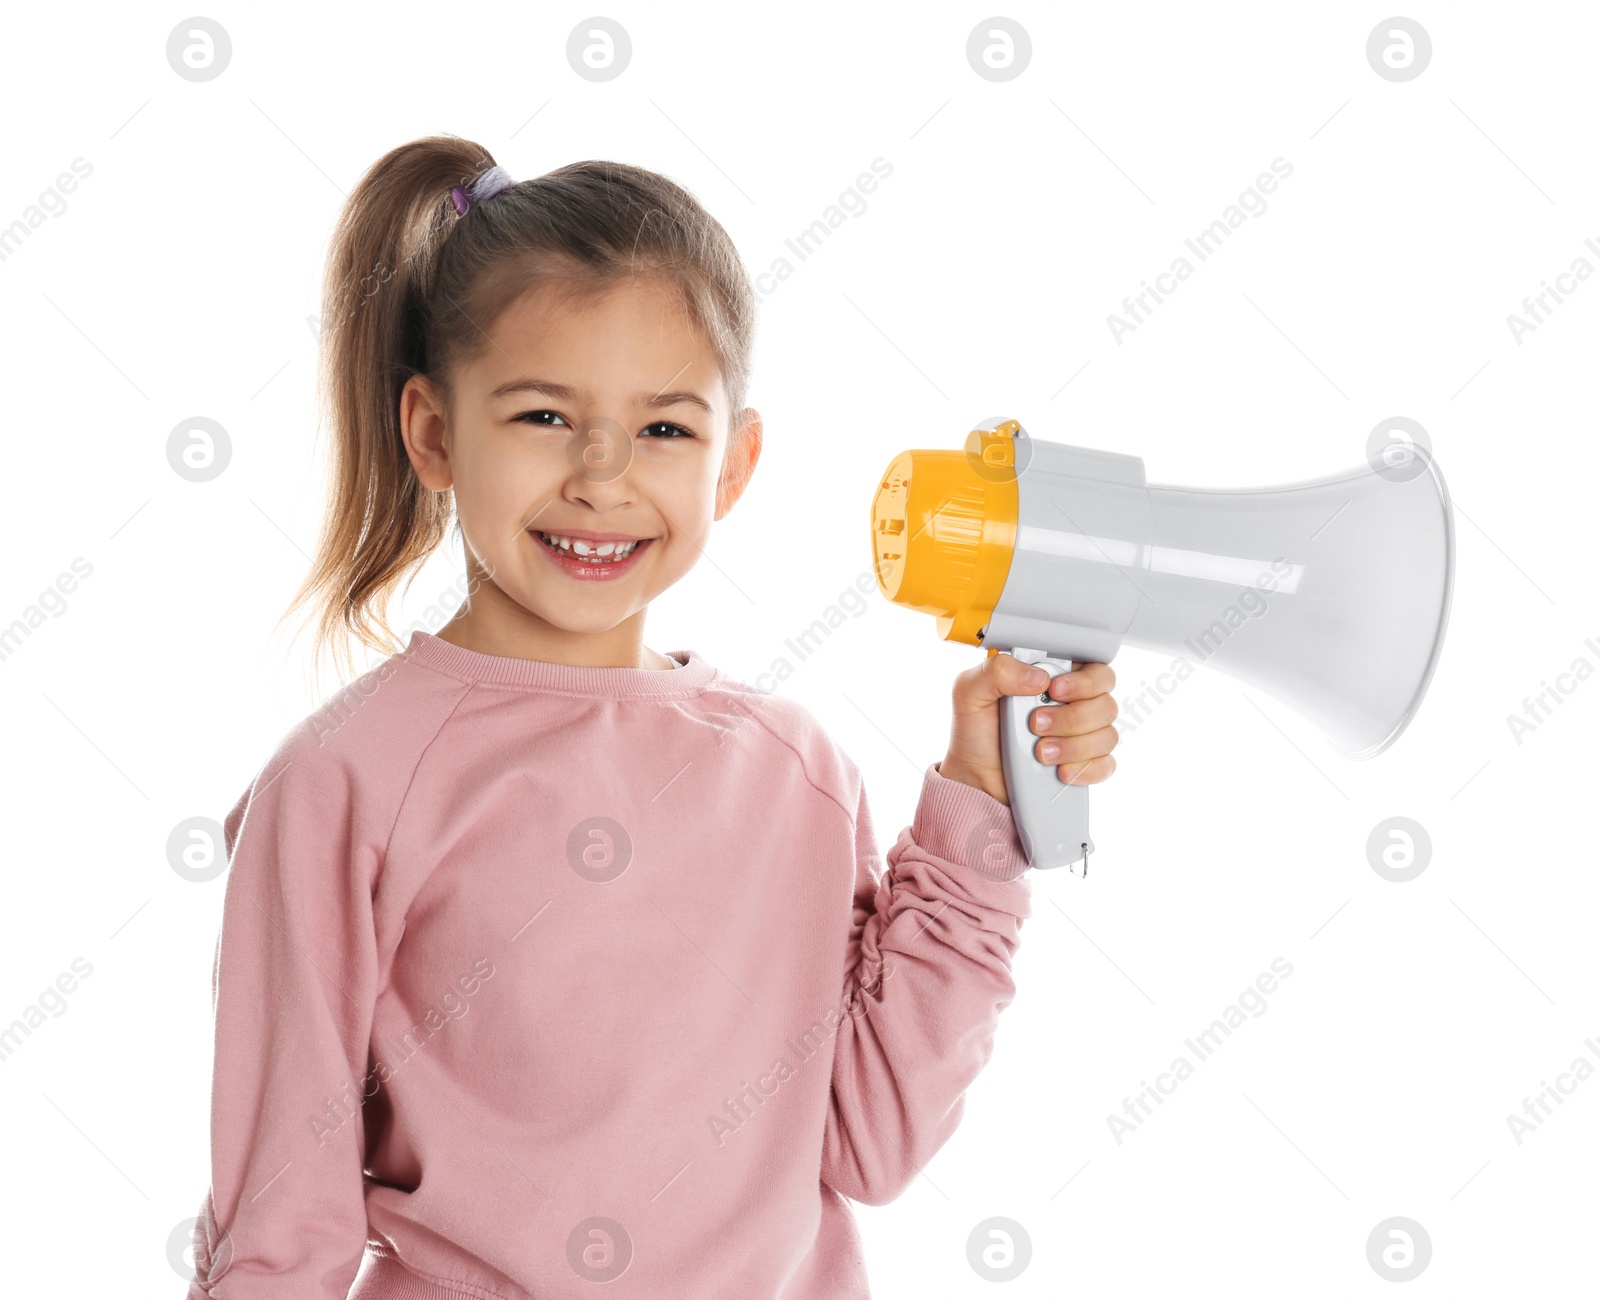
{"points": [[927, 974]]}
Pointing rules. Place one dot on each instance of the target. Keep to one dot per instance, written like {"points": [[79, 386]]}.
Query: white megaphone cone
{"points": [[1331, 595]]}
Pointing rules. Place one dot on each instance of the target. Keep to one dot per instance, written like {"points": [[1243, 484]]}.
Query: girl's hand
{"points": [[1079, 727]]}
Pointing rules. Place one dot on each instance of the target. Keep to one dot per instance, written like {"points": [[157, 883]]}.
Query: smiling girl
{"points": [[560, 959]]}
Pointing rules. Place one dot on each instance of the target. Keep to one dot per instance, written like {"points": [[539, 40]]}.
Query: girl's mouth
{"points": [[592, 567]]}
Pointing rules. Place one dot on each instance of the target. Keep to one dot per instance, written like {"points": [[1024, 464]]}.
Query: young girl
{"points": [[548, 958]]}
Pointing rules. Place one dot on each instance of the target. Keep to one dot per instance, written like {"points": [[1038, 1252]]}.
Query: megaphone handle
{"points": [[1051, 817]]}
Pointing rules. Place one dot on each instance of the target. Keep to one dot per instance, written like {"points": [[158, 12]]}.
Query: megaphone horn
{"points": [[1331, 595]]}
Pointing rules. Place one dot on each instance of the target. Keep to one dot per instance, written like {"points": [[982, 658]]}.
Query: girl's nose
{"points": [[600, 451]]}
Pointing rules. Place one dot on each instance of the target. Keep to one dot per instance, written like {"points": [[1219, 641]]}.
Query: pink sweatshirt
{"points": [[532, 976]]}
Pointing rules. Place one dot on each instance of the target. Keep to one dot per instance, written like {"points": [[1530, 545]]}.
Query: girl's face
{"points": [[600, 419]]}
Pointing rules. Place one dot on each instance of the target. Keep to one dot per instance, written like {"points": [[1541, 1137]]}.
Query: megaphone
{"points": [[1331, 595]]}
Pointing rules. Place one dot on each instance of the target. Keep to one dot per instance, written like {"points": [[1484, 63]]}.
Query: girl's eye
{"points": [[536, 417], [676, 430], [554, 419]]}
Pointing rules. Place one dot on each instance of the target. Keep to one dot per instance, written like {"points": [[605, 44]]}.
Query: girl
{"points": [[547, 958]]}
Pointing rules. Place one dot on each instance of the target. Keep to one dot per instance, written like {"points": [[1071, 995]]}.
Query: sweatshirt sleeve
{"points": [[293, 987], [928, 971]]}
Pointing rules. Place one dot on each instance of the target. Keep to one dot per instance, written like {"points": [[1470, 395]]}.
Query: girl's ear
{"points": [[739, 461], [422, 426]]}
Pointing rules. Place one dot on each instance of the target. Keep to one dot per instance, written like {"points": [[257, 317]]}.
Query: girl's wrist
{"points": [[952, 770]]}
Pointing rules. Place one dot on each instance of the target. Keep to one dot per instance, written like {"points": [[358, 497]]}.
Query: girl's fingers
{"points": [[1083, 681], [1077, 749], [1090, 773], [1073, 719]]}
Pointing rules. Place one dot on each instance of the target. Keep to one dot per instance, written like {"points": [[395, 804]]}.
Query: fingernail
{"points": [[1038, 678], [1051, 750]]}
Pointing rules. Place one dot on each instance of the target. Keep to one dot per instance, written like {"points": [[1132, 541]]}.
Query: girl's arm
{"points": [[293, 989], [928, 971]]}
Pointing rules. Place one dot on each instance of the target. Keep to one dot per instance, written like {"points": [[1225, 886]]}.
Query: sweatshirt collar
{"points": [[695, 675]]}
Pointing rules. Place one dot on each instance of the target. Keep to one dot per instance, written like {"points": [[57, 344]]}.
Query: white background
{"points": [[178, 282]]}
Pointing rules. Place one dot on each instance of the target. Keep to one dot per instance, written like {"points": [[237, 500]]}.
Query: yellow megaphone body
{"points": [[1332, 595]]}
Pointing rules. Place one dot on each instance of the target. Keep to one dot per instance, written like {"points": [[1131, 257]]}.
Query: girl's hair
{"points": [[411, 288]]}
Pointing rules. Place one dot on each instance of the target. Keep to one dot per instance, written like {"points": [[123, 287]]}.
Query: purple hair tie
{"points": [[482, 190]]}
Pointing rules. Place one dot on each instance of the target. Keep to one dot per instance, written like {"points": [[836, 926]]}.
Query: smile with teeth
{"points": [[588, 552]]}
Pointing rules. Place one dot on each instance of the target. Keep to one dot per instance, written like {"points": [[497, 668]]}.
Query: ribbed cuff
{"points": [[969, 827], [386, 1278]]}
